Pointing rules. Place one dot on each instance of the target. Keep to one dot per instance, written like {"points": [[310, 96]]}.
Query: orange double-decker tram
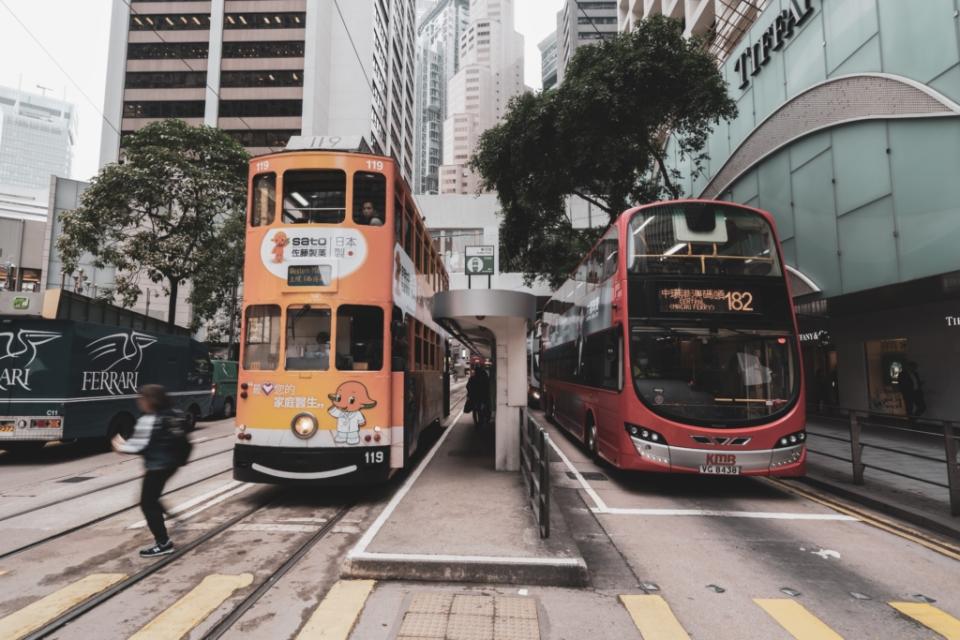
{"points": [[342, 366]]}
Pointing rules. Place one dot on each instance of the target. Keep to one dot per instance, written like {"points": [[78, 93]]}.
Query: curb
{"points": [[907, 515], [560, 572]]}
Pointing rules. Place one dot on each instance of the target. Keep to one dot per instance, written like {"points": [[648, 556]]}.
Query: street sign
{"points": [[479, 260]]}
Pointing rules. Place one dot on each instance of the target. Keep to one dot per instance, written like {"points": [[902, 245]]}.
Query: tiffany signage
{"points": [[784, 27]]}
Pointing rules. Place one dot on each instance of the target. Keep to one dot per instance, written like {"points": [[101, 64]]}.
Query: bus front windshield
{"points": [[701, 238], [714, 377]]}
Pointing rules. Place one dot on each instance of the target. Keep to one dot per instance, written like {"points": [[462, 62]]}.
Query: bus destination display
{"points": [[674, 299], [308, 275]]}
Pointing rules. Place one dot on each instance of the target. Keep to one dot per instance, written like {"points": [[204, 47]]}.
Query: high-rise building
{"points": [[438, 59], [37, 135], [491, 73], [582, 22], [548, 61], [265, 70]]}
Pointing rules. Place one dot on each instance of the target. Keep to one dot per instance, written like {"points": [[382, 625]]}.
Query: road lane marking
{"points": [[873, 520], [374, 529], [771, 515], [653, 618], [35, 615], [794, 617], [193, 608], [334, 617], [601, 506], [258, 527], [931, 617], [180, 508]]}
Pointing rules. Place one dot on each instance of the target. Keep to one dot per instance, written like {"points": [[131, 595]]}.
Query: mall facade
{"points": [[849, 134]]}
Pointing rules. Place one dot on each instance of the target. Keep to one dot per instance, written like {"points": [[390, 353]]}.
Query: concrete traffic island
{"points": [[456, 519]]}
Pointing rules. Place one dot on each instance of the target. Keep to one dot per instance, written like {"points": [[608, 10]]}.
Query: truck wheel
{"points": [[228, 408], [193, 415]]}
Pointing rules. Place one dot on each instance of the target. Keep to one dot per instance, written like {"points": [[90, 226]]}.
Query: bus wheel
{"points": [[122, 425], [590, 437], [228, 408]]}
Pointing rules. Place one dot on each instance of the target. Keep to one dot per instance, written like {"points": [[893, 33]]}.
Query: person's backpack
{"points": [[172, 438]]}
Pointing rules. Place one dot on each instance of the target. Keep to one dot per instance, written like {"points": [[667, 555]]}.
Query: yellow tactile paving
{"points": [[653, 617], [334, 618], [193, 608], [932, 617], [35, 615], [794, 617]]}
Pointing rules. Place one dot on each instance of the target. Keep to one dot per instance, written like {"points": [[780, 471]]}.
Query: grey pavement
{"points": [[921, 503]]}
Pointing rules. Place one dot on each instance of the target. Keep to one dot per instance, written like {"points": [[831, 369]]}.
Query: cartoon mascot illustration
{"points": [[348, 401], [280, 240]]}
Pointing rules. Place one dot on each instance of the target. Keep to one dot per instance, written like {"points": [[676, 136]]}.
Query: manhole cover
{"points": [[77, 479], [587, 475]]}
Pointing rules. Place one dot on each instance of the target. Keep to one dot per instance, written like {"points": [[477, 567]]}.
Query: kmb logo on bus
{"points": [[721, 459]]}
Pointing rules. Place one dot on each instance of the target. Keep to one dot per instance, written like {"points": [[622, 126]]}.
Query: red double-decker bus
{"points": [[673, 347]]}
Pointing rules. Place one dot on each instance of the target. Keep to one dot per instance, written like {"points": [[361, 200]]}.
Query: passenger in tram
{"points": [[369, 216]]}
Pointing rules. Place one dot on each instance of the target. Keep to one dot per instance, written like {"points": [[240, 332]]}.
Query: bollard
{"points": [[950, 435], [856, 450]]}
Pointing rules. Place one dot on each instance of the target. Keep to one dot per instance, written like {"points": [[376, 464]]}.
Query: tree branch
{"points": [[667, 182], [594, 202]]}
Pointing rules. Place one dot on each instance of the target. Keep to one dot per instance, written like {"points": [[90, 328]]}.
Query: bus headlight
{"points": [[304, 426]]}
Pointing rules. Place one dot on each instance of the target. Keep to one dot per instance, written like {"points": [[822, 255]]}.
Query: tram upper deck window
{"points": [[314, 196], [264, 205], [369, 199], [702, 239], [359, 338], [261, 340], [308, 338]]}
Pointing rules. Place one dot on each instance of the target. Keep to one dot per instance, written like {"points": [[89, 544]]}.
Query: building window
{"points": [[295, 20], [262, 49], [451, 244], [164, 109], [166, 80], [267, 138], [260, 108], [172, 22], [169, 51], [261, 78]]}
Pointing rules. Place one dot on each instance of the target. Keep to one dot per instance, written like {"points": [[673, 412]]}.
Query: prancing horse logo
{"points": [[120, 347]]}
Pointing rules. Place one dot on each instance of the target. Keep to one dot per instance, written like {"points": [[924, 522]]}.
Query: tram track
{"points": [[99, 519], [103, 488]]}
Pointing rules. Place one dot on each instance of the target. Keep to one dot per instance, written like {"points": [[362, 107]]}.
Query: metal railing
{"points": [[856, 420], [535, 469]]}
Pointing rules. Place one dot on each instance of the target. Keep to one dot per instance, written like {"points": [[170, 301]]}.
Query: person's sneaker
{"points": [[157, 550]]}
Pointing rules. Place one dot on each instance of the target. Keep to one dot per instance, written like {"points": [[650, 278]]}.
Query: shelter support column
{"points": [[511, 367]]}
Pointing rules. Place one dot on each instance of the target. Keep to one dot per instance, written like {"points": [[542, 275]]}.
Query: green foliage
{"points": [[601, 135], [172, 211]]}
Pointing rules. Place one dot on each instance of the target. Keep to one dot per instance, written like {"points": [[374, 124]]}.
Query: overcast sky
{"points": [[75, 33]]}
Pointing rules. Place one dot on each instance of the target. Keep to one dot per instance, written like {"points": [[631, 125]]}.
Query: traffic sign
{"points": [[479, 260]]}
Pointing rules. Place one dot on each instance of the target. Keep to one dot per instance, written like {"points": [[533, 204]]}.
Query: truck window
{"points": [[314, 197], [308, 338], [359, 338], [262, 338]]}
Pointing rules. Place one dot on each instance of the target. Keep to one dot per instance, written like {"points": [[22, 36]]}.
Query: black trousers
{"points": [[153, 483]]}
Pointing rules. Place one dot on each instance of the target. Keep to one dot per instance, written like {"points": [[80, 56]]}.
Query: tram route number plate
{"points": [[720, 469]]}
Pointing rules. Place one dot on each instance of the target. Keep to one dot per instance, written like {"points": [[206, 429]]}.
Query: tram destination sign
{"points": [[308, 275], [689, 299]]}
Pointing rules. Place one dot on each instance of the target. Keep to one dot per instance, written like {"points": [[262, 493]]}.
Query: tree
{"points": [[171, 211], [601, 135]]}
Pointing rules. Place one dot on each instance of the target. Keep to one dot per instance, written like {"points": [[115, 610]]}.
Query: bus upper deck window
{"points": [[359, 338], [308, 338], [262, 338], [315, 196], [369, 199], [264, 204]]}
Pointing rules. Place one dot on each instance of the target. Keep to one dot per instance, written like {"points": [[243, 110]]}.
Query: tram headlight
{"points": [[304, 425]]}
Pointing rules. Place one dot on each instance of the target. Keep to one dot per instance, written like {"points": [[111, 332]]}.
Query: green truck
{"points": [[224, 401], [70, 368]]}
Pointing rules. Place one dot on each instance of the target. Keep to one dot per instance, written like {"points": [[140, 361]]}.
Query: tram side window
{"points": [[308, 338], [314, 197], [369, 199], [359, 338], [264, 203], [262, 339]]}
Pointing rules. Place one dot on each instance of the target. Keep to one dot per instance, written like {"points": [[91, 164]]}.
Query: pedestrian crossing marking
{"points": [[794, 617], [35, 615], [193, 608], [932, 617], [334, 617], [653, 618]]}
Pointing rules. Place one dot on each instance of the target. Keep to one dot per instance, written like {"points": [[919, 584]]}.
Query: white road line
{"points": [[374, 529], [261, 527], [180, 508], [447, 559], [601, 506], [769, 515], [226, 496]]}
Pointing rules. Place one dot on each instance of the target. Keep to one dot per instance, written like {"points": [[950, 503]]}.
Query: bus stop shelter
{"points": [[494, 323]]}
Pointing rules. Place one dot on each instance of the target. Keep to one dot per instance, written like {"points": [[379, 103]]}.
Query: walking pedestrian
{"points": [[160, 436]]}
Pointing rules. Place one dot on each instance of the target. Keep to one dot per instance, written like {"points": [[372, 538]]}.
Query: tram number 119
{"points": [[373, 457]]}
